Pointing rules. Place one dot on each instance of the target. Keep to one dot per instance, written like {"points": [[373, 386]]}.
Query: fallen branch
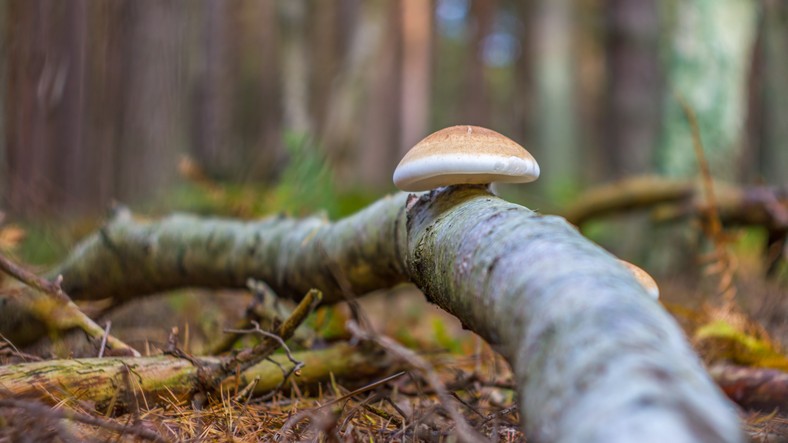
{"points": [[54, 308], [42, 410], [671, 200], [760, 389], [595, 358], [464, 432], [211, 377], [757, 205], [157, 380]]}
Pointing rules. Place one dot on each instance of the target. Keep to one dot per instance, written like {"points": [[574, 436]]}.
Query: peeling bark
{"points": [[596, 359]]}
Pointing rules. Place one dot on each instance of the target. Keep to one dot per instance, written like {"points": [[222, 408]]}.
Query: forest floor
{"points": [[402, 408]]}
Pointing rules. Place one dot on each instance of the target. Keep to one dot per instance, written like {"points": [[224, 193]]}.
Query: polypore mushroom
{"points": [[643, 278], [464, 155]]}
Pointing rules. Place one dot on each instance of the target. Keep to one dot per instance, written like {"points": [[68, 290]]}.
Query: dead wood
{"points": [[40, 410], [758, 389], [755, 205], [595, 358], [163, 379], [52, 308]]}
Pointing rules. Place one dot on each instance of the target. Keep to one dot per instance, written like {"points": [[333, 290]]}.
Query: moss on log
{"points": [[164, 379]]}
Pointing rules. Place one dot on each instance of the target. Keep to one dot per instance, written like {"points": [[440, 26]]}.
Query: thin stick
{"points": [[41, 409], [297, 365], [465, 432], [104, 339], [715, 232], [212, 378], [32, 280], [15, 351], [715, 225]]}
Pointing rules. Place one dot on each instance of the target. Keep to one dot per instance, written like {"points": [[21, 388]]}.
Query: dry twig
{"points": [[464, 431], [68, 313], [723, 261], [41, 409], [211, 378]]}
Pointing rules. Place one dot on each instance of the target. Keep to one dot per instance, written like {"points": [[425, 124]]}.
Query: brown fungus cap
{"points": [[464, 155], [643, 277]]}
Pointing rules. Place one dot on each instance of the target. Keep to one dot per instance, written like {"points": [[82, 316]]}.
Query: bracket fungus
{"points": [[464, 155], [643, 277]]}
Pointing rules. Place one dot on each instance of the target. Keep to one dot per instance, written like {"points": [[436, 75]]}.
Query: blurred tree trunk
{"points": [[773, 147], [152, 131], [416, 31], [265, 151], [3, 103], [524, 83], [379, 138], [45, 89], [710, 52], [555, 102], [476, 103], [632, 105], [326, 54], [108, 79], [629, 114], [211, 136], [341, 131], [295, 66]]}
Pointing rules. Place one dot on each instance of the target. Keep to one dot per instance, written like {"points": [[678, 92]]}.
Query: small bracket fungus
{"points": [[643, 278], [464, 155]]}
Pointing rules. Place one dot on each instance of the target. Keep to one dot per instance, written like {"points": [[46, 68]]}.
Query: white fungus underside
{"points": [[432, 172]]}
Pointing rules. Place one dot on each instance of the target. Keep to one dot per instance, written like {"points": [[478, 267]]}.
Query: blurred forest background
{"points": [[244, 108], [313, 103]]}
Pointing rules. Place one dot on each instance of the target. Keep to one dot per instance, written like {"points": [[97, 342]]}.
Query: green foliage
{"points": [[732, 343], [328, 322], [306, 184], [43, 244], [445, 338]]}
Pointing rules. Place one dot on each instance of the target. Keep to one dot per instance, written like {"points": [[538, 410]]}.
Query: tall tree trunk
{"points": [[416, 31], [380, 122], [524, 85], [633, 99], [555, 116], [340, 136], [266, 153], [475, 91], [326, 54], [152, 131], [45, 88], [710, 52], [108, 80], [211, 142], [77, 184], [295, 66], [773, 147], [3, 83]]}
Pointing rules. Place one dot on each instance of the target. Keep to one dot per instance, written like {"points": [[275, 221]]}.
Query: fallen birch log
{"points": [[596, 359]]}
